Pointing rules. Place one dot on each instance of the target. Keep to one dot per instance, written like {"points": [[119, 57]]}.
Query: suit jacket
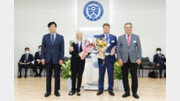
{"points": [[133, 51], [113, 42], [53, 52], [23, 57], [159, 59], [36, 57], [75, 52]]}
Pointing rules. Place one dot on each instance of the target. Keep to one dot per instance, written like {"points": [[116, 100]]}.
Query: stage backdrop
{"points": [[32, 17]]}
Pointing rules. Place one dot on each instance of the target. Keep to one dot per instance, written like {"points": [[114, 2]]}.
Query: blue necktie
{"points": [[25, 58], [106, 38], [52, 39], [79, 46]]}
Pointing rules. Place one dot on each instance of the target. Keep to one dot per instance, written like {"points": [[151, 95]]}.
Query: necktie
{"points": [[106, 38], [79, 46], [52, 39], [26, 58], [128, 38]]}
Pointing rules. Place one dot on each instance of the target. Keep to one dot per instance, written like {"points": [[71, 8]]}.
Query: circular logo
{"points": [[93, 11], [95, 64]]}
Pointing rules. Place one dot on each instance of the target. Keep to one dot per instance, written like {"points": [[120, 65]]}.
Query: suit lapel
{"points": [[110, 38], [49, 38], [39, 54], [55, 38], [81, 46], [102, 36], [125, 40], [131, 40]]}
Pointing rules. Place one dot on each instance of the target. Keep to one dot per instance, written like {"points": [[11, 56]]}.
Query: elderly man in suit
{"points": [[108, 61], [52, 55], [129, 56]]}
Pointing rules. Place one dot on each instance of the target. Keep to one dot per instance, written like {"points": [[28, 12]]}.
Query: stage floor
{"points": [[33, 89]]}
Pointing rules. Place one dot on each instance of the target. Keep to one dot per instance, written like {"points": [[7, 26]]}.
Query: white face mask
{"points": [[27, 52], [158, 52], [39, 49]]}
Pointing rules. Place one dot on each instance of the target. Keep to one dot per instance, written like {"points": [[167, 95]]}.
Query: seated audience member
{"points": [[37, 62], [160, 62], [25, 61]]}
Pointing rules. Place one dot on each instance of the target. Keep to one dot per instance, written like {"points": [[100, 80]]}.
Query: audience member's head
{"points": [[158, 50], [27, 50], [52, 27], [39, 47]]}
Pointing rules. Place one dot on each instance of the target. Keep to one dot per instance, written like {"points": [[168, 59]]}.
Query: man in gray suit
{"points": [[129, 56]]}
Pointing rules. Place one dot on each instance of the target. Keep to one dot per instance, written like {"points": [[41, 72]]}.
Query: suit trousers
{"points": [[109, 64], [160, 71], [133, 71], [49, 67], [20, 66], [41, 67], [77, 69]]}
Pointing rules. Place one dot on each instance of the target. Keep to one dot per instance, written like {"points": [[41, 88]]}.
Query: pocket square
{"points": [[112, 41]]}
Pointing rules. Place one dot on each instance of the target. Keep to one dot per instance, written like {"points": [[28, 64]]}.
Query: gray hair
{"points": [[128, 23]]}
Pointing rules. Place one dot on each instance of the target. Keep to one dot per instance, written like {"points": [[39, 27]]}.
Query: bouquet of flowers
{"points": [[101, 47], [87, 47]]}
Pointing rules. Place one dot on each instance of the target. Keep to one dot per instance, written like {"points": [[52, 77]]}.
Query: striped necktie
{"points": [[52, 39]]}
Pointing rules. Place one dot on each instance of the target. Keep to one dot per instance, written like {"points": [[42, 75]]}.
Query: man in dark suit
{"points": [[160, 62], [108, 61], [37, 62], [25, 61], [52, 55], [129, 55]]}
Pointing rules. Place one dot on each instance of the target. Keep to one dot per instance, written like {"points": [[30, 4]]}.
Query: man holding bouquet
{"points": [[108, 60]]}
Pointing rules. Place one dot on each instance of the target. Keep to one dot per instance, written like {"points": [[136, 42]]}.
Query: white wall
{"points": [[32, 16], [148, 18]]}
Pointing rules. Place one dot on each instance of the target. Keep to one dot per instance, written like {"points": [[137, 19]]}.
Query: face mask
{"points": [[158, 52], [39, 49], [27, 52]]}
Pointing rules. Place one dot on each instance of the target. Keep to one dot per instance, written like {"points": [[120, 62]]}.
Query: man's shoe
{"points": [[160, 76], [136, 96], [19, 76], [36, 75], [71, 92], [125, 95], [39, 75], [57, 93], [111, 93], [78, 94], [47, 94], [99, 92], [25, 76]]}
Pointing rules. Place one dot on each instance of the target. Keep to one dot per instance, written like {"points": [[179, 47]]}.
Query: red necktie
{"points": [[128, 38]]}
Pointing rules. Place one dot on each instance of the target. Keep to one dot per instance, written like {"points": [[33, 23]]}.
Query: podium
{"points": [[91, 73]]}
